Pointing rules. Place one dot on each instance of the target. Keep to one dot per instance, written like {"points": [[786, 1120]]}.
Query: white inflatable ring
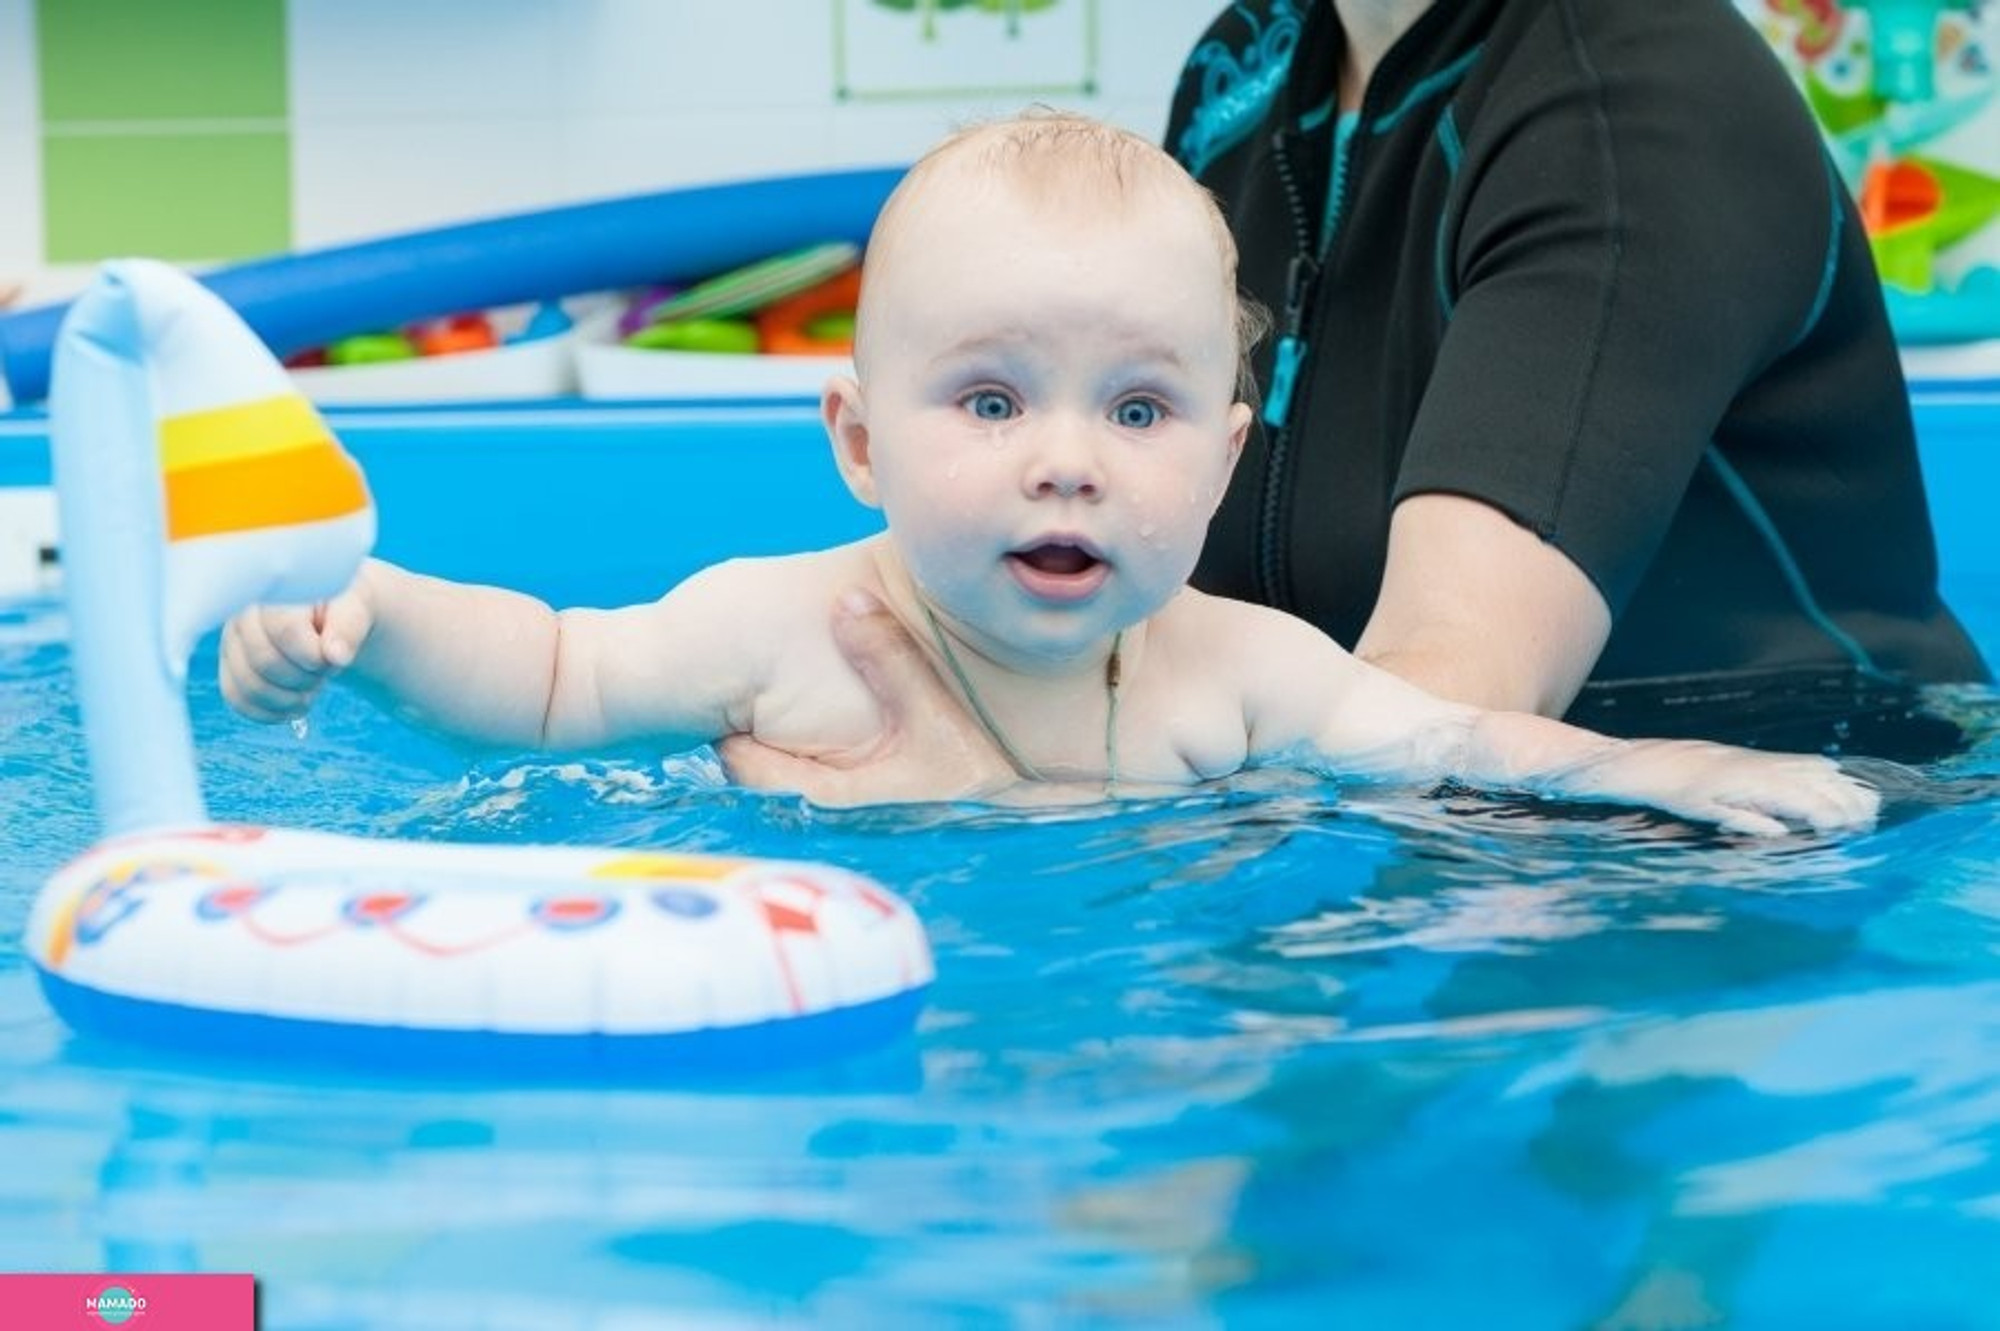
{"points": [[192, 480], [526, 961]]}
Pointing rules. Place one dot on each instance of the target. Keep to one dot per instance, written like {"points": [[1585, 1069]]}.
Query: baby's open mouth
{"points": [[1059, 572], [1057, 559]]}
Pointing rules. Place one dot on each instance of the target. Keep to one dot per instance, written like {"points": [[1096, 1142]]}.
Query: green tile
{"points": [[170, 196], [161, 59]]}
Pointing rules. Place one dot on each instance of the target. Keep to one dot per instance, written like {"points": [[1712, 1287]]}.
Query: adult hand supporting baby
{"points": [[929, 746]]}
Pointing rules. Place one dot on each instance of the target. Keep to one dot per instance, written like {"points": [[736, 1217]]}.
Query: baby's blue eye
{"points": [[989, 405], [1137, 413]]}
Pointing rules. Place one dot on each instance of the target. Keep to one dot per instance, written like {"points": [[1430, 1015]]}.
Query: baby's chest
{"points": [[829, 710]]}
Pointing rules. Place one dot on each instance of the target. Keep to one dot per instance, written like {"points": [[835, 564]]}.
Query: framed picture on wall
{"points": [[889, 49]]}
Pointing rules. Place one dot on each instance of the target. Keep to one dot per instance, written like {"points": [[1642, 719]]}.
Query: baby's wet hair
{"points": [[1063, 156]]}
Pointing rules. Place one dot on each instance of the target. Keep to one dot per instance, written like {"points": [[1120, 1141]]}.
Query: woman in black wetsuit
{"points": [[1596, 406]]}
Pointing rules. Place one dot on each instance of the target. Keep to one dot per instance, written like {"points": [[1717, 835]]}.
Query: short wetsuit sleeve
{"points": [[1642, 220]]}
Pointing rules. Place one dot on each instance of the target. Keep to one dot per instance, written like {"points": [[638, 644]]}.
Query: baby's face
{"points": [[1049, 393]]}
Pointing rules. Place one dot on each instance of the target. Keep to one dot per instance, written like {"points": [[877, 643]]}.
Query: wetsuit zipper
{"points": [[1302, 278]]}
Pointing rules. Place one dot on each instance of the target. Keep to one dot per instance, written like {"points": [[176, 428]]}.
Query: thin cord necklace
{"points": [[1027, 770]]}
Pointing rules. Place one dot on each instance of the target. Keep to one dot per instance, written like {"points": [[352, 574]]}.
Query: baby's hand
{"points": [[275, 658], [1740, 790]]}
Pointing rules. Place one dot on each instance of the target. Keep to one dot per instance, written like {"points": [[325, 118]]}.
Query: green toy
{"points": [[730, 337], [370, 349], [756, 285]]}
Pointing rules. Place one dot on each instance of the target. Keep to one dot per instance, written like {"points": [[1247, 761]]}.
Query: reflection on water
{"points": [[1282, 1053]]}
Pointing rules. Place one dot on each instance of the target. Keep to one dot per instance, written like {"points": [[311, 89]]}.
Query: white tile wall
{"points": [[362, 176], [18, 87], [604, 155], [680, 57], [20, 150], [420, 59], [408, 113], [1139, 59]]}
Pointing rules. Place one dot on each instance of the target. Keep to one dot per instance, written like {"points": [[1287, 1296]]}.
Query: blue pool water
{"points": [[1281, 1054]]}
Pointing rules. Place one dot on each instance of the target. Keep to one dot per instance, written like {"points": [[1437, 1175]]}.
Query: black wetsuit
{"points": [[1586, 261]]}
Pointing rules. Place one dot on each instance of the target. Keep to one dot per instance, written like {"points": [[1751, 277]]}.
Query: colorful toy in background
{"points": [[775, 327], [1904, 90], [450, 335], [1908, 43], [800, 303]]}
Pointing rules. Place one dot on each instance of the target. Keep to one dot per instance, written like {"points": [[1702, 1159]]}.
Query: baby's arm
{"points": [[1313, 703], [1739, 789], [495, 667]]}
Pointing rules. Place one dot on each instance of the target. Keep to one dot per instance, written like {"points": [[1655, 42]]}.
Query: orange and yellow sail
{"points": [[252, 465]]}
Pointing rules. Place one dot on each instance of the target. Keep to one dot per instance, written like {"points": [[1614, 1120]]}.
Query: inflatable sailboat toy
{"points": [[193, 480]]}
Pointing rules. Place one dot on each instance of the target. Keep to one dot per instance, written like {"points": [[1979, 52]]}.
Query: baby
{"points": [[1045, 407]]}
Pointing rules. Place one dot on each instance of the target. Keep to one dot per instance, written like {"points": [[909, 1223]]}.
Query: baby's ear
{"points": [[1240, 417], [846, 418]]}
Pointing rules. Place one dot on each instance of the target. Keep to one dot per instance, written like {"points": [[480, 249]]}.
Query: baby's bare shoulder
{"points": [[781, 589], [1220, 628], [785, 603], [1253, 653]]}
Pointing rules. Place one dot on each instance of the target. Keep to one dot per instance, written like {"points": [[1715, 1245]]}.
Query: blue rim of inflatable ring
{"points": [[703, 1054]]}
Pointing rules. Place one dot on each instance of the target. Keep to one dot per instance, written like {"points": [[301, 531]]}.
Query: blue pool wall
{"points": [[591, 503], [575, 503]]}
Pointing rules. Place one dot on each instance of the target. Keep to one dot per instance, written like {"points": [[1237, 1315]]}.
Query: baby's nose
{"points": [[1068, 485], [1064, 465]]}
